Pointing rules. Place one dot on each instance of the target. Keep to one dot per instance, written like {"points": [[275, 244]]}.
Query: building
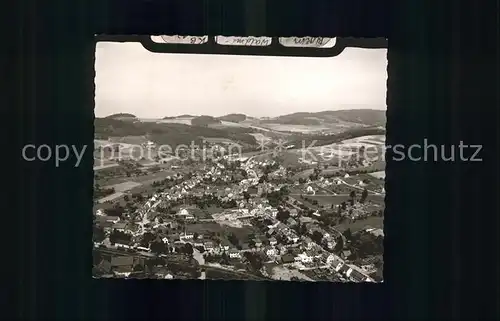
{"points": [[186, 236], [209, 246], [304, 258], [120, 226], [271, 251], [335, 262], [122, 265], [273, 241], [234, 254]]}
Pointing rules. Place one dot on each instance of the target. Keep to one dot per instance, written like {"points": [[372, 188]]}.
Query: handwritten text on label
{"points": [[316, 42], [243, 41], [194, 40]]}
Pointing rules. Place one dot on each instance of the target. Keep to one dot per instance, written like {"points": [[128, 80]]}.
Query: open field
{"points": [[129, 140], [261, 137], [111, 197], [125, 186], [226, 124], [295, 128], [373, 221], [328, 200], [213, 210], [202, 228], [145, 179]]}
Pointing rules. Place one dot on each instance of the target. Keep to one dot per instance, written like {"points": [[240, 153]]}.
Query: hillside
{"points": [[122, 116], [180, 116], [370, 117], [171, 134], [235, 118]]}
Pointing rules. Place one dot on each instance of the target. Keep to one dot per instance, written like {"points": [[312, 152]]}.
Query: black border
{"points": [[274, 49], [277, 18], [443, 85]]}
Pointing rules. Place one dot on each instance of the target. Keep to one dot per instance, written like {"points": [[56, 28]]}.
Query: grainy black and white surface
{"points": [[239, 167]]}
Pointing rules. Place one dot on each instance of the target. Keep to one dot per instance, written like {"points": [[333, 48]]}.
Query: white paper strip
{"points": [[311, 42], [243, 41], [187, 40]]}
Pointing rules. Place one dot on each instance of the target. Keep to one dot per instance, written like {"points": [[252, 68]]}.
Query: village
{"points": [[239, 217]]}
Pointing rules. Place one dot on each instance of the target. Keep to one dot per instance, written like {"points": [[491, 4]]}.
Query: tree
{"points": [[159, 247], [233, 239], [147, 238], [188, 249], [282, 215], [352, 195], [119, 237], [339, 246], [224, 259], [364, 195], [254, 260], [302, 229], [317, 236], [348, 234], [195, 235]]}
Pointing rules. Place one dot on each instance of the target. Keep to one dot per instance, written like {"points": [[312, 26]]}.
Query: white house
{"points": [[304, 258], [271, 251], [273, 241]]}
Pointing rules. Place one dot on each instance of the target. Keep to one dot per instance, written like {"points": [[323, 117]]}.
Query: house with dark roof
{"points": [[356, 276], [120, 226]]}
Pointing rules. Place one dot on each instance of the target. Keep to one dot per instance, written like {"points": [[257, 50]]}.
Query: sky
{"points": [[130, 79]]}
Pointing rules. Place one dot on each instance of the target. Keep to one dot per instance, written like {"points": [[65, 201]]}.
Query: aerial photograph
{"points": [[225, 167]]}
